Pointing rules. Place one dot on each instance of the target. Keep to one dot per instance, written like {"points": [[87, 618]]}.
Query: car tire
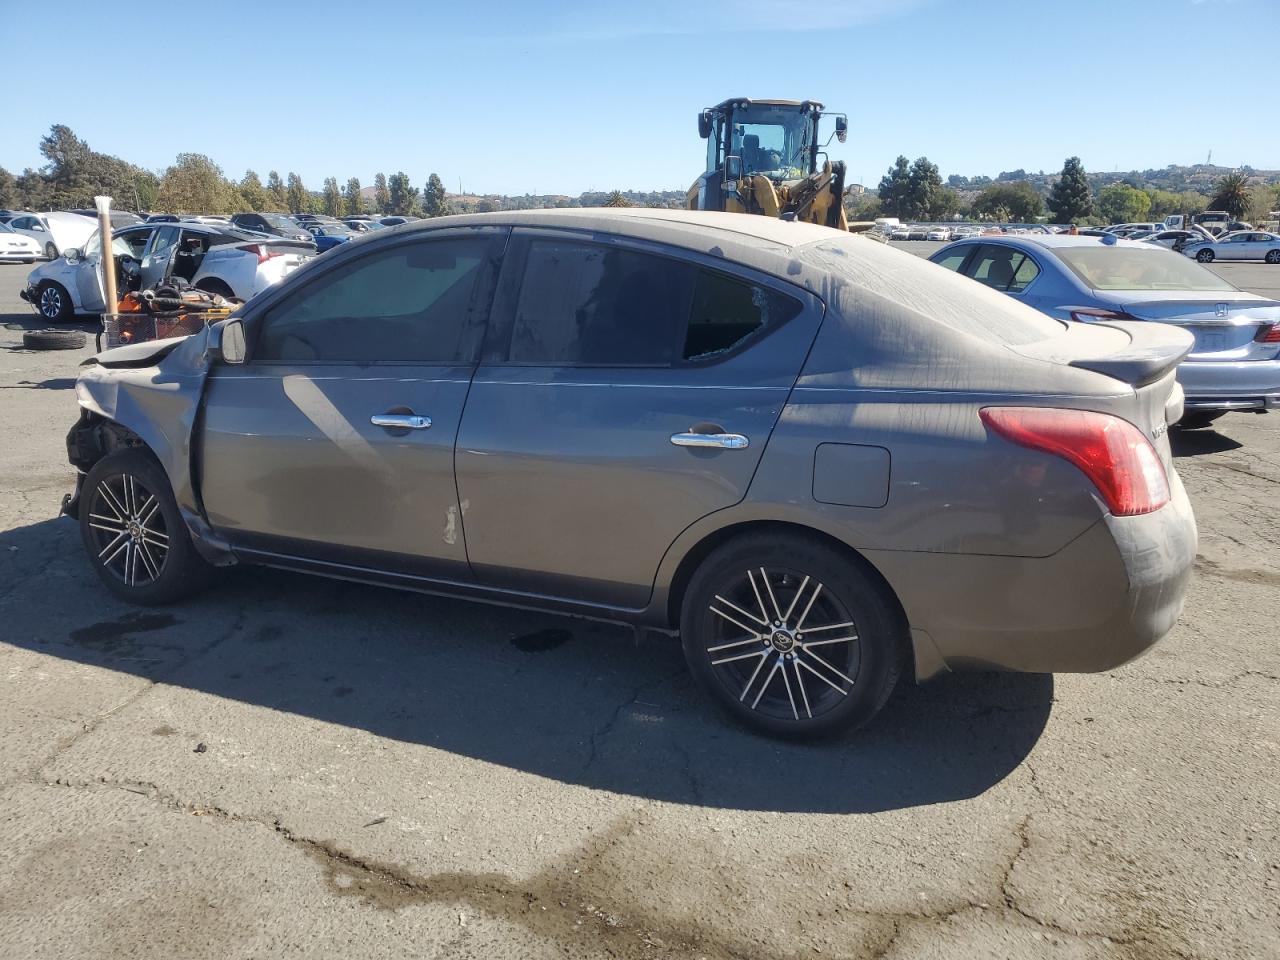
{"points": [[133, 533], [1198, 420], [53, 339], [50, 251], [53, 302], [1204, 256], [1273, 256], [738, 628]]}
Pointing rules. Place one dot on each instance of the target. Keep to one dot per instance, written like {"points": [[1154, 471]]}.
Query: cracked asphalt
{"points": [[293, 767]]}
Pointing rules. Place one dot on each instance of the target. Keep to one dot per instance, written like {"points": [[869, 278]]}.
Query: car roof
{"points": [[1053, 241]]}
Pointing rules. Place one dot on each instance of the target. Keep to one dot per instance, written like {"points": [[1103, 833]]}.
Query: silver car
{"points": [[820, 461], [1235, 364], [1244, 245]]}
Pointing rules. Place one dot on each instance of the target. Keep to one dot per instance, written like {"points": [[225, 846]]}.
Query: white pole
{"points": [[108, 260]]}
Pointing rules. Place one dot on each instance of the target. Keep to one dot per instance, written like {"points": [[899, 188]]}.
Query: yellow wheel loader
{"points": [[762, 157]]}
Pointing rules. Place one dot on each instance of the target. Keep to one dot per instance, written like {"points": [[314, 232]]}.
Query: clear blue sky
{"points": [[518, 96]]}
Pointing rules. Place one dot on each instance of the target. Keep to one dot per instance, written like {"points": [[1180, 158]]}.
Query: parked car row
{"points": [[1235, 361]]}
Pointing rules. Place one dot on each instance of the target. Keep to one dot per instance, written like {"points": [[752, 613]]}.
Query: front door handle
{"points": [[724, 441], [403, 421]]}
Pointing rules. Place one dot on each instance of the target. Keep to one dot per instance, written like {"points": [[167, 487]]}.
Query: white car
{"points": [[17, 246], [1244, 245], [220, 259], [55, 232], [939, 233]]}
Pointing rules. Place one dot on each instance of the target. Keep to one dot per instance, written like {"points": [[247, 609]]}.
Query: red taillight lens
{"points": [[262, 253], [1268, 334], [1111, 452], [1094, 314]]}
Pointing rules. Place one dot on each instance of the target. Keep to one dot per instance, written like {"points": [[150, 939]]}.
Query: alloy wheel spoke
{"points": [[817, 659], [148, 561], [755, 638], [768, 587], [817, 589], [738, 610], [148, 509], [801, 663], [786, 617], [752, 679], [767, 680], [794, 712], [740, 656], [114, 547], [720, 613], [110, 524], [764, 611], [112, 500], [804, 695], [822, 643]]}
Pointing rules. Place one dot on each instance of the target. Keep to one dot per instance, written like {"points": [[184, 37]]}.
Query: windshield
{"points": [[331, 230], [1119, 268], [5, 228], [772, 140], [279, 222]]}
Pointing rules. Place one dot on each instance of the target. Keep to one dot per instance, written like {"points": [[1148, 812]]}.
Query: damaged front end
{"points": [[147, 396]]}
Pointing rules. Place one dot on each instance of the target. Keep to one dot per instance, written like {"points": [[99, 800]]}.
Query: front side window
{"points": [[408, 304], [954, 260], [130, 244]]}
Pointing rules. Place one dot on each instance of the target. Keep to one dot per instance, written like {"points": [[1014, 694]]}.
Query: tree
{"points": [[1071, 199], [297, 199], [616, 199], [381, 195], [355, 202], [8, 189], [195, 184], [924, 192], [1232, 195], [333, 205], [1121, 203], [254, 193], [486, 206], [403, 195], [275, 187], [895, 189], [434, 201], [1016, 201]]}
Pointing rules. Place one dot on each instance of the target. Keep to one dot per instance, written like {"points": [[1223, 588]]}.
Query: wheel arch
{"points": [[693, 557]]}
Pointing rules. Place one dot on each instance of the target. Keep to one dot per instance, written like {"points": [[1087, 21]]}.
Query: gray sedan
{"points": [[820, 461], [1244, 245], [1235, 364]]}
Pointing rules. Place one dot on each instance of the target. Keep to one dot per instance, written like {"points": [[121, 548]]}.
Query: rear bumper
{"points": [[1104, 599], [1240, 385]]}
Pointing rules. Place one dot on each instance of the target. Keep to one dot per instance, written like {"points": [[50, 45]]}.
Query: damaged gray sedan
{"points": [[821, 461]]}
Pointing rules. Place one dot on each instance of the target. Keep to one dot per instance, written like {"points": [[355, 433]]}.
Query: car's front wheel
{"points": [[791, 636], [1204, 256], [1273, 256], [53, 301], [133, 532]]}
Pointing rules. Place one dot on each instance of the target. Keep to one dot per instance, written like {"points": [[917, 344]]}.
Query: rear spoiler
{"points": [[1154, 349]]}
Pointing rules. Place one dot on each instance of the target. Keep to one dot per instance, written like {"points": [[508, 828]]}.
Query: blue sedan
{"points": [[329, 235], [1235, 364]]}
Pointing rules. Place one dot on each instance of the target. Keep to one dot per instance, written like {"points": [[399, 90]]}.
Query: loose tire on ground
{"points": [[134, 535], [792, 637], [53, 339]]}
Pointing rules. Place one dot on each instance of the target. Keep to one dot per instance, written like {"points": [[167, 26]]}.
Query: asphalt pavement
{"points": [[291, 766]]}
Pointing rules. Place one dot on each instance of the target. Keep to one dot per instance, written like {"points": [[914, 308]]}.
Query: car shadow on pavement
{"points": [[1195, 443], [577, 702], [33, 321]]}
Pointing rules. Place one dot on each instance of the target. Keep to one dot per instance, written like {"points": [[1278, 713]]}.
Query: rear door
{"points": [[627, 391], [334, 442]]}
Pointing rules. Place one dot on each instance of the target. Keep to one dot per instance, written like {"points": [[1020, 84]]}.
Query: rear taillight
{"points": [[1094, 314], [1111, 452], [262, 253], [1268, 333]]}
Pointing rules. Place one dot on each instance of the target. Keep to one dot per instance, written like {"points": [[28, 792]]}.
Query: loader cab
{"points": [[774, 138]]}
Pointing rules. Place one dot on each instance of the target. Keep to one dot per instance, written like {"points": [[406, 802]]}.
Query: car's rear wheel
{"points": [[1205, 256], [790, 636], [53, 301], [1273, 256], [133, 532], [209, 285], [50, 251]]}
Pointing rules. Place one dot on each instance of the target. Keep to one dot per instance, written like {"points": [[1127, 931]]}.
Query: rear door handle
{"points": [[403, 421], [724, 441]]}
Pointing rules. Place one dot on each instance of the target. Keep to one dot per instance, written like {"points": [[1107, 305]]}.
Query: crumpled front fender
{"points": [[160, 404]]}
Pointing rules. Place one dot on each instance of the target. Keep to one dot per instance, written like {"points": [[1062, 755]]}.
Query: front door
{"points": [[335, 440], [158, 256], [627, 391]]}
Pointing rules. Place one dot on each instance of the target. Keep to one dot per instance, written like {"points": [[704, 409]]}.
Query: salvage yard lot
{"points": [[289, 765]]}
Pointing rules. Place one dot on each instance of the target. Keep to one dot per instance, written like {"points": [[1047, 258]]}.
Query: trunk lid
{"points": [[1224, 324]]}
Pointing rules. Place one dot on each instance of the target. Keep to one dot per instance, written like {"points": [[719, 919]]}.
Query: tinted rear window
{"points": [[1124, 268]]}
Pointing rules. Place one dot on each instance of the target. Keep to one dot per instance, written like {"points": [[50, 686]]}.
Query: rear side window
{"points": [[592, 305], [409, 304], [1002, 268], [954, 260]]}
